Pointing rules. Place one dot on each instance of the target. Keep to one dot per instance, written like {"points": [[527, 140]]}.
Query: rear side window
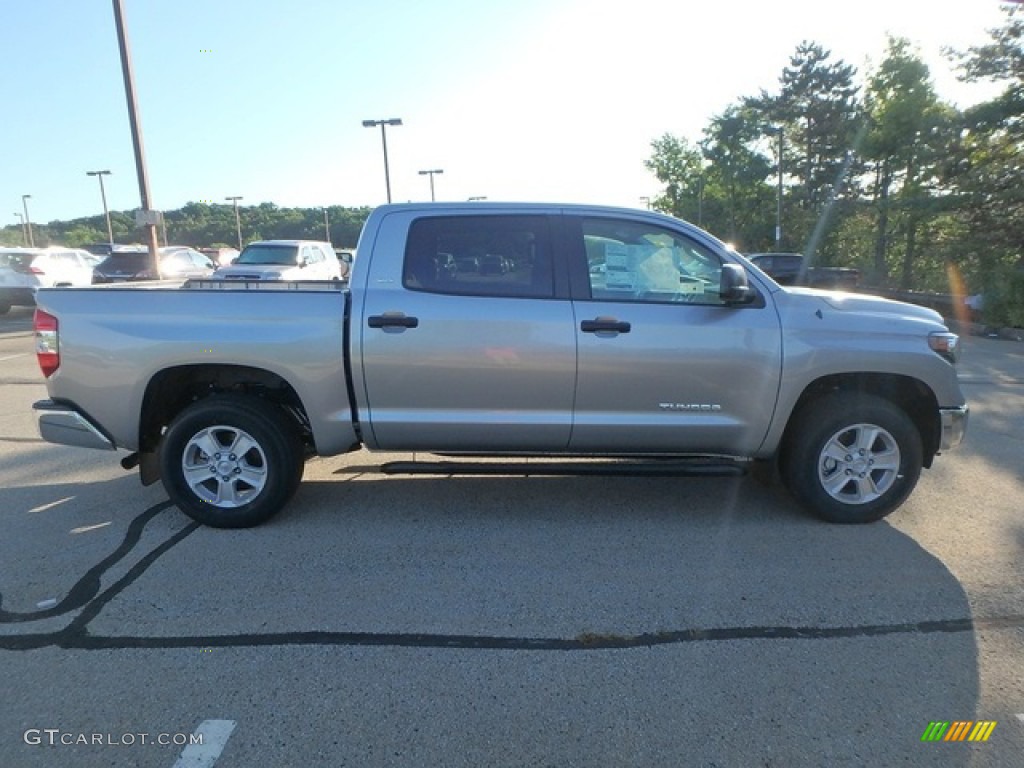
{"points": [[19, 262], [480, 256]]}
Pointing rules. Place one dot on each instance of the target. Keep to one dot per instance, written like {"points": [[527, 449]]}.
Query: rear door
{"points": [[457, 355], [664, 364]]}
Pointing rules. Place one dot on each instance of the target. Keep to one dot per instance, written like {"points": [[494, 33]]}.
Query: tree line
{"points": [[881, 175], [205, 225]]}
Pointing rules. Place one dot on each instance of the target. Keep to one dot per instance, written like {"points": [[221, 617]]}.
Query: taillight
{"points": [[36, 271], [47, 343]]}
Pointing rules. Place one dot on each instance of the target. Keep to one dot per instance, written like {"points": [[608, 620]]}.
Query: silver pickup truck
{"points": [[504, 330]]}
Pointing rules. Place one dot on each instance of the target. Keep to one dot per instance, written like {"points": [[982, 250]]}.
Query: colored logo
{"points": [[958, 730]]}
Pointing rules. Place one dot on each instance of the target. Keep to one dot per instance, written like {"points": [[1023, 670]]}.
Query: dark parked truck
{"points": [[504, 330], [790, 269]]}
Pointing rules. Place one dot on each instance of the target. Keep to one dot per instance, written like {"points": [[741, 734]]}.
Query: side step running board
{"points": [[701, 467]]}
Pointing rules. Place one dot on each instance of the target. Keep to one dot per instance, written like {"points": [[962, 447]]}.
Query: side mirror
{"points": [[734, 288]]}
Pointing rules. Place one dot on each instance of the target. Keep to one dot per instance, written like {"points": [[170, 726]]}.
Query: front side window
{"points": [[635, 261], [480, 256]]}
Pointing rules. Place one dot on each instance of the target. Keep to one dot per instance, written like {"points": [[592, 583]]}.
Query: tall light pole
{"points": [[24, 233], [103, 194], [28, 221], [148, 217], [384, 141], [238, 221], [327, 226], [431, 175], [778, 208]]}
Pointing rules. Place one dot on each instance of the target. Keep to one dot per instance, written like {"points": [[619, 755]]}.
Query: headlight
{"points": [[946, 344]]}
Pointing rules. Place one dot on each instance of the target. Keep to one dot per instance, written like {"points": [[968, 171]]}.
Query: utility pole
{"points": [[238, 221], [148, 217]]}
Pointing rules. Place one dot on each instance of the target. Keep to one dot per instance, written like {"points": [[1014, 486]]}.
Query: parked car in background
{"points": [[788, 269], [284, 260], [177, 262], [221, 257], [23, 271]]}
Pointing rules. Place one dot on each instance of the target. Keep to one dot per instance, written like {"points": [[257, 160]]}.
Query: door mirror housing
{"points": [[735, 288]]}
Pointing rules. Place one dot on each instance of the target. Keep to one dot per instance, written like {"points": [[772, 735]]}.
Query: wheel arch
{"points": [[173, 389], [911, 395]]}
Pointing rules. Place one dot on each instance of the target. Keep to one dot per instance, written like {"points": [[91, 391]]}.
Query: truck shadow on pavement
{"points": [[574, 564]]}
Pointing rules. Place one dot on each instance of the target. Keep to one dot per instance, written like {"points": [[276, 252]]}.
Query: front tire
{"points": [[231, 461], [852, 457]]}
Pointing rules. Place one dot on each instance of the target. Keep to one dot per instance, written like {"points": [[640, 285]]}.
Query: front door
{"points": [[664, 364]]}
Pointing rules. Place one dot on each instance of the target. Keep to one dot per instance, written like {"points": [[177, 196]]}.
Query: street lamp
{"points": [[24, 234], [431, 175], [28, 221], [103, 194], [238, 222], [778, 209], [384, 141], [327, 226]]}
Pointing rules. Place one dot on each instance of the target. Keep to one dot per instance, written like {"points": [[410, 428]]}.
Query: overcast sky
{"points": [[553, 100]]}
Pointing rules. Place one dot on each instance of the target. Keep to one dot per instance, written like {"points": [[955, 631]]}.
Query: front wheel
{"points": [[231, 461], [852, 458]]}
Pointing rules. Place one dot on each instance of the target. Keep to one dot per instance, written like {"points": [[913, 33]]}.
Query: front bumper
{"points": [[63, 424], [954, 426]]}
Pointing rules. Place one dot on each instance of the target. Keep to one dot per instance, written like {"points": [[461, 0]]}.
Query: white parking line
{"points": [[1021, 717], [11, 357], [215, 735]]}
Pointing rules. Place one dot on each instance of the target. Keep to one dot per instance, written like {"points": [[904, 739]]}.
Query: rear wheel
{"points": [[852, 457], [231, 461]]}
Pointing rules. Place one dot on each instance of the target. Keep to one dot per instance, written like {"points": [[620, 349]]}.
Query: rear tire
{"points": [[231, 461], [852, 457]]}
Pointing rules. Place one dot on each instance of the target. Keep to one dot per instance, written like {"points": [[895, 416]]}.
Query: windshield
{"points": [[269, 254]]}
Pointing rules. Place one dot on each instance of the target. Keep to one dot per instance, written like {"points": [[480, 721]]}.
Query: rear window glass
{"points": [[16, 260], [125, 261], [480, 256]]}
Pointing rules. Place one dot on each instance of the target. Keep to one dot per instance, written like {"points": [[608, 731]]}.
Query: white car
{"points": [[23, 271], [283, 260]]}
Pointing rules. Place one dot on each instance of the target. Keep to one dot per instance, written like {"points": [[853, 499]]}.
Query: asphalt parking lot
{"points": [[509, 621]]}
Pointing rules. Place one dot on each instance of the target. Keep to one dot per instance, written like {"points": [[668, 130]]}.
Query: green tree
{"points": [[677, 164], [909, 129], [987, 162], [739, 197], [818, 113]]}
